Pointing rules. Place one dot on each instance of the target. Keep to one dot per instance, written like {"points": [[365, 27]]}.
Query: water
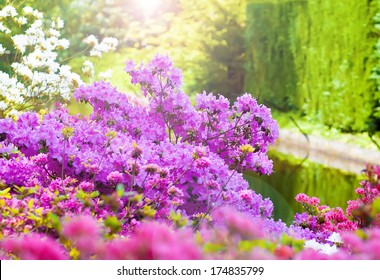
{"points": [[292, 176]]}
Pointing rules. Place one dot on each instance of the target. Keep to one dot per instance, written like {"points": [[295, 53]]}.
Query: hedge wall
{"points": [[317, 57]]}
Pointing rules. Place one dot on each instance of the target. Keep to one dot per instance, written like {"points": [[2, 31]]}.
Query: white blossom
{"points": [[88, 69], [2, 49], [14, 113], [32, 12], [8, 11], [63, 43], [37, 71], [4, 29], [108, 44], [3, 105], [22, 70], [54, 32], [95, 53], [20, 42], [21, 20], [322, 248], [335, 238], [91, 40], [106, 75], [60, 23], [28, 10]]}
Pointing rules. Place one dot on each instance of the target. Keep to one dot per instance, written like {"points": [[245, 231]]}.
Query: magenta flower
{"points": [[34, 247]]}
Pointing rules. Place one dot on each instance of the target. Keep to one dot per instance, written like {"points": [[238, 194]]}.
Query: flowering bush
{"points": [[167, 161], [361, 213], [36, 75], [134, 181]]}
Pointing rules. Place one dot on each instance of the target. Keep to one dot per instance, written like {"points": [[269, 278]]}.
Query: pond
{"points": [[291, 176]]}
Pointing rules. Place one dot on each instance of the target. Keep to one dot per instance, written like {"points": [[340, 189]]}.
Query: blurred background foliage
{"points": [[318, 58], [204, 38]]}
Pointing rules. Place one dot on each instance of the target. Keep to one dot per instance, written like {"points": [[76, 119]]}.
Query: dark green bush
{"points": [[317, 57]]}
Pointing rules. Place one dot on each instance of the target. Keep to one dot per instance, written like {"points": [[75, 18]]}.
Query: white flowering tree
{"points": [[38, 75]]}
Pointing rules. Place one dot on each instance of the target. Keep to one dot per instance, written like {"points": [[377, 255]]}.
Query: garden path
{"points": [[332, 153]]}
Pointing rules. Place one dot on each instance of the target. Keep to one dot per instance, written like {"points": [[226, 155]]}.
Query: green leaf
{"points": [[54, 221], [376, 206], [5, 193], [120, 190], [177, 218], [113, 224], [148, 211], [248, 245], [30, 204], [94, 194], [213, 248]]}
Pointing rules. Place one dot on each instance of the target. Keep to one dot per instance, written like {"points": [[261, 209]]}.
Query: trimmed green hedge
{"points": [[317, 57]]}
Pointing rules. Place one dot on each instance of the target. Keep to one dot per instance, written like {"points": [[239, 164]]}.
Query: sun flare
{"points": [[148, 6]]}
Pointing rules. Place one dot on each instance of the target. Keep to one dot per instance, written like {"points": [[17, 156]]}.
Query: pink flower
{"points": [[303, 198], [115, 177], [236, 222], [81, 227], [34, 247], [154, 241], [202, 162], [284, 252], [199, 152], [129, 66], [86, 186], [85, 232]]}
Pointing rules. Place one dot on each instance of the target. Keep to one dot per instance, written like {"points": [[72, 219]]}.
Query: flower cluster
{"points": [[127, 163], [360, 213], [36, 75], [364, 210], [240, 134], [321, 219]]}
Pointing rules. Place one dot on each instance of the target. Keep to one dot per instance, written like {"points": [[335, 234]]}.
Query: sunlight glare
{"points": [[148, 6]]}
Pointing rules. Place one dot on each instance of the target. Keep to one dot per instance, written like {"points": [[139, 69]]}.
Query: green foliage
{"points": [[214, 31], [376, 207], [113, 224], [248, 245], [213, 248], [177, 218], [296, 244], [205, 38], [120, 190], [315, 57]]}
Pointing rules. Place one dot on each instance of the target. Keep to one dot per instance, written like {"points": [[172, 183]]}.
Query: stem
{"points": [[166, 121], [146, 194], [133, 175], [101, 159], [63, 161], [183, 173], [75, 54], [50, 175], [143, 182], [224, 132]]}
